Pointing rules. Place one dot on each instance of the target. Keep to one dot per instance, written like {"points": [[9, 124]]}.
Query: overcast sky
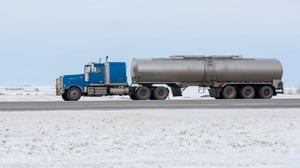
{"points": [[42, 39]]}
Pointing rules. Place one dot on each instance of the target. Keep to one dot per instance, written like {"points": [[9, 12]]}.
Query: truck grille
{"points": [[59, 86]]}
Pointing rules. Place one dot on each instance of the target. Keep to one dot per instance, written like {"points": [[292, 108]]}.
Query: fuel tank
{"points": [[201, 69]]}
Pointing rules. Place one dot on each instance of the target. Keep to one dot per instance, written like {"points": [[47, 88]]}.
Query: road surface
{"points": [[167, 104]]}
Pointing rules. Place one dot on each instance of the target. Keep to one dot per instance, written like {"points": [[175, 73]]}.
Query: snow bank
{"points": [[259, 138]]}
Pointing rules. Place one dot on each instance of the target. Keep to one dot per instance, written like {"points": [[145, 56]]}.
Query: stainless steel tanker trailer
{"points": [[227, 77]]}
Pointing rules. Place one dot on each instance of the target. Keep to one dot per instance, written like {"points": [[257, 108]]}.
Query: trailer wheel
{"points": [[160, 93], [73, 94], [143, 93], [265, 92], [247, 92], [229, 92]]}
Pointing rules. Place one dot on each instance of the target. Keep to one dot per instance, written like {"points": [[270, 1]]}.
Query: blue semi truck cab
{"points": [[98, 79]]}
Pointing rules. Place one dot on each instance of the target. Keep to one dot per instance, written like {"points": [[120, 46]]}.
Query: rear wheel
{"points": [[229, 92], [132, 97], [143, 93], [73, 94], [265, 92], [64, 97], [247, 92], [160, 93]]}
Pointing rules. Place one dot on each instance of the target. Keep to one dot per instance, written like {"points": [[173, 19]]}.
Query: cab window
{"points": [[88, 68], [97, 69]]}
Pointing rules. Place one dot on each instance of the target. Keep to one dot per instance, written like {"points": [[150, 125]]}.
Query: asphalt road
{"points": [[166, 104]]}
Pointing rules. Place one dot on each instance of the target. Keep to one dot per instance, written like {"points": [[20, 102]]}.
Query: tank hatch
{"points": [[203, 57]]}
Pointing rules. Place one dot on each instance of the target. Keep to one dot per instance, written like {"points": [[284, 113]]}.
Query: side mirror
{"points": [[86, 76], [87, 70]]}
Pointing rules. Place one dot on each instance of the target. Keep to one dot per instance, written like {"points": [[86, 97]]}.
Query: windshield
{"points": [[88, 68]]}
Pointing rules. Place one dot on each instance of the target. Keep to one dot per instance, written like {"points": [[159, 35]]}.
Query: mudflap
{"points": [[215, 92], [176, 91]]}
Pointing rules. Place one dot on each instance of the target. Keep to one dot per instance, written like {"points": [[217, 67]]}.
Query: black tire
{"points": [[265, 92], [247, 92], [73, 94], [160, 93], [229, 92], [151, 97], [64, 97], [132, 97], [143, 93]]}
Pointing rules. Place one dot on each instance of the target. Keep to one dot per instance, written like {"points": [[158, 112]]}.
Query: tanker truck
{"points": [[226, 77]]}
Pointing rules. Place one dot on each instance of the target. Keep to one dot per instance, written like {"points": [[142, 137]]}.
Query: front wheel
{"points": [[73, 94]]}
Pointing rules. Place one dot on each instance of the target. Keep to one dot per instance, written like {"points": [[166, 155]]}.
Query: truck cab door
{"points": [[97, 75]]}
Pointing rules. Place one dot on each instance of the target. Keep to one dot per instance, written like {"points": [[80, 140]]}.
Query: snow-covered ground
{"points": [[260, 138]]}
